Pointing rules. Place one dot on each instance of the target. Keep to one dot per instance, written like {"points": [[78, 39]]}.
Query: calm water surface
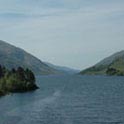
{"points": [[67, 100]]}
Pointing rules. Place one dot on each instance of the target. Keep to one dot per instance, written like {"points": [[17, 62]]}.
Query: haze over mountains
{"points": [[115, 61], [12, 57], [63, 69]]}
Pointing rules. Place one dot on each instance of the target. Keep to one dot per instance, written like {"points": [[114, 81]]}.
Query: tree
{"points": [[1, 72], [30, 76], [21, 73], [13, 70]]}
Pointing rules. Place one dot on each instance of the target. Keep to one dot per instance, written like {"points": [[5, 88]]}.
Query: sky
{"points": [[73, 33]]}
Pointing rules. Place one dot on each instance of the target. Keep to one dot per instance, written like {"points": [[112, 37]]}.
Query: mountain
{"points": [[63, 69], [112, 65], [12, 57]]}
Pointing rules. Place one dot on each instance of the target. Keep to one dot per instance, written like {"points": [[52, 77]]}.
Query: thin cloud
{"points": [[65, 34]]}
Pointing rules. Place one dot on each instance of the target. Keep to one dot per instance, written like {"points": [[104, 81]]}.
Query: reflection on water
{"points": [[67, 100]]}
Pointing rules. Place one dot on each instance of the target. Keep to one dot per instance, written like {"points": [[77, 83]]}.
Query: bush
{"points": [[113, 71]]}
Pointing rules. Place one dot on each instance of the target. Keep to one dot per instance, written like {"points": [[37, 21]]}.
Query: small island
{"points": [[16, 80]]}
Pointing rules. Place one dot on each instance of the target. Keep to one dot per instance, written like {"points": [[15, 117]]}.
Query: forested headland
{"points": [[16, 80]]}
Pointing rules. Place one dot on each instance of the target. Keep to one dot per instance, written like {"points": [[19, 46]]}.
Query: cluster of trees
{"points": [[113, 71], [16, 80]]}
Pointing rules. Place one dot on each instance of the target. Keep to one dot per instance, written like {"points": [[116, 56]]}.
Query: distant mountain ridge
{"points": [[12, 57], [114, 62], [63, 69]]}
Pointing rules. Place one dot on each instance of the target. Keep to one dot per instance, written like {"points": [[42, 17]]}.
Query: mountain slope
{"points": [[12, 57], [115, 61], [62, 69]]}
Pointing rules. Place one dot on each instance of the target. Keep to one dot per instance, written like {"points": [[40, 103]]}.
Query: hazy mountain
{"points": [[12, 57], [63, 69], [115, 61]]}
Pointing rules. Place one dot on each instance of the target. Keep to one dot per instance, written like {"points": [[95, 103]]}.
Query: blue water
{"points": [[67, 100]]}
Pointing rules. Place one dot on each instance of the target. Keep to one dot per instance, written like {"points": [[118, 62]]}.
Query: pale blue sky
{"points": [[74, 33]]}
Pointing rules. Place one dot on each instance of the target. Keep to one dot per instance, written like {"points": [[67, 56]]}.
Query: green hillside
{"points": [[113, 65]]}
